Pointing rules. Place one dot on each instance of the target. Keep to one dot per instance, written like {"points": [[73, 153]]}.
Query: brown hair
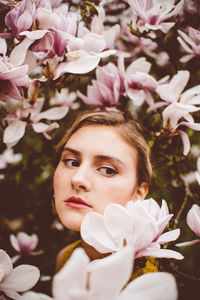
{"points": [[128, 128]]}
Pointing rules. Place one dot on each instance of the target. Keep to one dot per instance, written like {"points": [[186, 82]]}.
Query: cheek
{"points": [[120, 191], [59, 179]]}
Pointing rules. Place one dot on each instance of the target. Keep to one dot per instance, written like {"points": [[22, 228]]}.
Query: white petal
{"points": [[55, 113], [14, 132], [35, 296], [109, 275], [152, 286], [165, 253], [22, 278], [5, 262], [94, 233], [117, 223], [82, 65], [72, 278], [18, 54], [168, 236]]}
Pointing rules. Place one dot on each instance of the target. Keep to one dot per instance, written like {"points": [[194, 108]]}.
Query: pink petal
{"points": [[185, 140], [193, 218], [189, 243]]}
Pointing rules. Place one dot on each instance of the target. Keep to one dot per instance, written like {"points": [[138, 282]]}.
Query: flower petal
{"points": [[117, 266], [94, 233], [22, 278], [72, 278], [13, 133], [151, 286]]}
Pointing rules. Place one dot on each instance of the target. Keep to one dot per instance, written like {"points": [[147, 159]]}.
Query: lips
{"points": [[77, 202]]}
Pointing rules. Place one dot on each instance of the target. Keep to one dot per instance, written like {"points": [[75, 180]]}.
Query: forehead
{"points": [[101, 140]]}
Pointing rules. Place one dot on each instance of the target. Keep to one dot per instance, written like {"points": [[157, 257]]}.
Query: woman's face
{"points": [[97, 167]]}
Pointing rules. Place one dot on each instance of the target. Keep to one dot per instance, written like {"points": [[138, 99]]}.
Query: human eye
{"points": [[71, 162], [107, 171]]}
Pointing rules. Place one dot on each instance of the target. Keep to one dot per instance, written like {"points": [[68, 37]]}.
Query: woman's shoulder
{"points": [[65, 254]]}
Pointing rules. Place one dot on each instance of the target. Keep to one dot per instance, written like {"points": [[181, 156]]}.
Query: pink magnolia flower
{"points": [[110, 34], [19, 279], [60, 19], [30, 115], [106, 89], [136, 224], [138, 83], [154, 13], [172, 91], [193, 221], [190, 43], [11, 79], [22, 16], [24, 244], [172, 114]]}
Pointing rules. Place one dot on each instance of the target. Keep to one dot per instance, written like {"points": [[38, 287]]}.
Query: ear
{"points": [[141, 192]]}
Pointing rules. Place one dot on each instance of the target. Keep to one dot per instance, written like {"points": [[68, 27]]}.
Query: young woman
{"points": [[104, 158]]}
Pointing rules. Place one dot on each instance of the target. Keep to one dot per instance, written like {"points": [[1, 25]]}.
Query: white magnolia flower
{"points": [[19, 279], [104, 279], [137, 224]]}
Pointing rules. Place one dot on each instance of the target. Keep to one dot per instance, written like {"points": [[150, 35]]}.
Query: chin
{"points": [[73, 224]]}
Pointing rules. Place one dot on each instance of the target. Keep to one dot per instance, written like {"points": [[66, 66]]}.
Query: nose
{"points": [[80, 180]]}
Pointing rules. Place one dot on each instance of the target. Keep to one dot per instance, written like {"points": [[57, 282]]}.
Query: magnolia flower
{"points": [[137, 224], [106, 89], [154, 13], [193, 221], [190, 43], [21, 17], [30, 115], [97, 26], [24, 244], [19, 279], [172, 114], [81, 280], [172, 92], [59, 19], [11, 78], [83, 54], [138, 83], [8, 157]]}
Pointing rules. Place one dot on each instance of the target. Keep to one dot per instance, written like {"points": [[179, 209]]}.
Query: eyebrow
{"points": [[97, 157]]}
